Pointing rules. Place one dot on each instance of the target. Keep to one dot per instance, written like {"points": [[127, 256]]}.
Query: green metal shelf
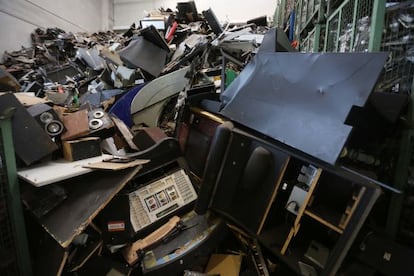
{"points": [[356, 26], [398, 77], [309, 24], [314, 40], [399, 69]]}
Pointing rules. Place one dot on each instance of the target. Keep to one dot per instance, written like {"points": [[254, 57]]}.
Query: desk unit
{"points": [[323, 227], [88, 198], [259, 180]]}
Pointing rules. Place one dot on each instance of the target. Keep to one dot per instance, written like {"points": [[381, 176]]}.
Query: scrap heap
{"points": [[104, 70], [77, 96]]}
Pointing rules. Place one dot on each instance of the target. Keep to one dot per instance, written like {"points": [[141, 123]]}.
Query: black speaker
{"points": [[241, 175], [47, 118], [30, 140], [211, 172]]}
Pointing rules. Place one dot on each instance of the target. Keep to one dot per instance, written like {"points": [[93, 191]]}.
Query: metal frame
{"points": [[280, 13], [312, 42], [305, 11], [376, 24], [406, 144]]}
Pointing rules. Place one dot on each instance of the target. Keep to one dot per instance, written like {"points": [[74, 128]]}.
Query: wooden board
{"points": [[58, 170], [87, 196], [76, 124], [114, 166], [28, 98]]}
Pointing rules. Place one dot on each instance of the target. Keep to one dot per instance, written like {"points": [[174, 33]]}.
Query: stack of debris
{"points": [[82, 96], [126, 75]]}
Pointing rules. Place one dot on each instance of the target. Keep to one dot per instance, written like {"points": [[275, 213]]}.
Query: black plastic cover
{"points": [[303, 100]]}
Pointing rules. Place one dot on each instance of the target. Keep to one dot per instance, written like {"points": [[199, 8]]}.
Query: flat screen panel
{"points": [[303, 100]]}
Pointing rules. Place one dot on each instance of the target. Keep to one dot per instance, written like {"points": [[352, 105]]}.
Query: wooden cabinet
{"points": [[305, 212], [315, 217]]}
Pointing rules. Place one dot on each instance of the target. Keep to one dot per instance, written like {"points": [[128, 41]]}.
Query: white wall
{"points": [[129, 11], [18, 18]]}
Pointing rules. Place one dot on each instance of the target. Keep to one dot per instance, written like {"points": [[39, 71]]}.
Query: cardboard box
{"points": [[224, 264]]}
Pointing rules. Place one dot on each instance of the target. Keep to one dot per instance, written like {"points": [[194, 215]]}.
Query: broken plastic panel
{"points": [[303, 100]]}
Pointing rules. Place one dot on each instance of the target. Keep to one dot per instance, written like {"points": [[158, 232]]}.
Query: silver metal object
{"points": [[46, 117], [54, 128], [95, 124], [97, 114]]}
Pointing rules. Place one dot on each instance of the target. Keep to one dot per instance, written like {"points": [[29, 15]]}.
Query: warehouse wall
{"points": [[18, 18], [129, 11]]}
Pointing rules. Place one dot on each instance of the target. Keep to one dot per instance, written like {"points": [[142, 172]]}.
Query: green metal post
{"points": [[15, 209], [316, 40], [282, 9], [325, 45], [304, 12], [354, 24], [298, 23], [338, 31], [321, 16], [377, 25]]}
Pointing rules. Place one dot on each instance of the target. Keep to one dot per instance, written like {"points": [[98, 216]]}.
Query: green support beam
{"points": [[377, 25], [14, 203], [354, 24], [316, 41]]}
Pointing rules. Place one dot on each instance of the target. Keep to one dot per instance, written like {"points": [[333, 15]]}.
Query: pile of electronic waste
{"points": [[76, 96]]}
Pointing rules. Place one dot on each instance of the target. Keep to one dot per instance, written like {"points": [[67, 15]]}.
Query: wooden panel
{"points": [[292, 233], [307, 198], [114, 166], [40, 175], [87, 196], [324, 222], [351, 208], [295, 228], [76, 124]]}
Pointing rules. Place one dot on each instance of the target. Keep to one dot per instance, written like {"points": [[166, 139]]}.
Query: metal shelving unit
{"points": [[309, 24], [370, 25], [355, 26], [398, 40], [308, 14], [397, 77], [279, 13], [367, 25], [283, 9], [314, 40]]}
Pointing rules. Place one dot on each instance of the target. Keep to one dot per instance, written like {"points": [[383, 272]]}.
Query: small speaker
{"points": [[148, 137], [98, 119], [100, 124], [47, 118]]}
